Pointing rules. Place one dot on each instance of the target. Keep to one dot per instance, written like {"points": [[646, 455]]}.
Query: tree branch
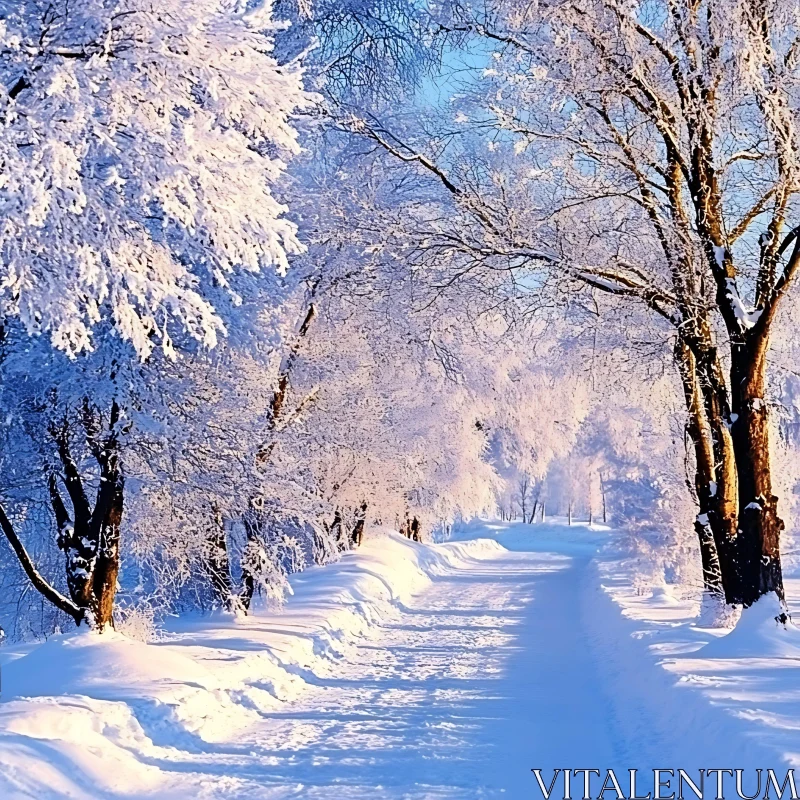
{"points": [[72, 478], [40, 584], [745, 221]]}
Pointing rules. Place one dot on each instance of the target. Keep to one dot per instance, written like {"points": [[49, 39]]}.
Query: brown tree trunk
{"points": [[106, 570], [105, 527], [718, 487], [742, 509], [90, 539], [758, 545], [357, 534]]}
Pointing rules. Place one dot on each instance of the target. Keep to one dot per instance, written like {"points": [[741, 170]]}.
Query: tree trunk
{"points": [[357, 534], [758, 550], [218, 562], [106, 570], [603, 497], [253, 520], [721, 493], [699, 434], [337, 531], [90, 539], [734, 479]]}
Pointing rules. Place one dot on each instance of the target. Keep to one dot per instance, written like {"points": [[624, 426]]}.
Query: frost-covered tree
{"points": [[140, 142], [140, 146], [647, 152], [364, 50]]}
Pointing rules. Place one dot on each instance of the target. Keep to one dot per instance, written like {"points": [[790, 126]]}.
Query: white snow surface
{"points": [[408, 671]]}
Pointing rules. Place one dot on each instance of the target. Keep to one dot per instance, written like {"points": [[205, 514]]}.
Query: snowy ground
{"points": [[406, 671]]}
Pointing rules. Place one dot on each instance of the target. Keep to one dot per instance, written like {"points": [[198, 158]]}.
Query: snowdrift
{"points": [[757, 634], [92, 716]]}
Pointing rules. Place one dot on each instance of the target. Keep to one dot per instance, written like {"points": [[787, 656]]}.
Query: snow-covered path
{"points": [[424, 709], [520, 662], [514, 660]]}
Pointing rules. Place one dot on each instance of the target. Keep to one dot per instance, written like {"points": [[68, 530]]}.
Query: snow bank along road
{"points": [[405, 671]]}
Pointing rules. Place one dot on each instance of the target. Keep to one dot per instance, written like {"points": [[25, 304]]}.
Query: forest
{"points": [[399, 399], [273, 275]]}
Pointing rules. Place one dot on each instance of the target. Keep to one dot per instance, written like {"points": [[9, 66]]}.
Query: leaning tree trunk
{"points": [[758, 545]]}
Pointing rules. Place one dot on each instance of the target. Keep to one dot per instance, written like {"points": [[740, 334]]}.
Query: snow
{"points": [[746, 318], [409, 671], [98, 147]]}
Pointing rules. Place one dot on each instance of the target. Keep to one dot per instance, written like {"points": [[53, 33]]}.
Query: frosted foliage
{"points": [[139, 144], [271, 562], [393, 432]]}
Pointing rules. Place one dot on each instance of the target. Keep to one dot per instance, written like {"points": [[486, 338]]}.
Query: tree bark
{"points": [[254, 521], [732, 453], [90, 539], [760, 527], [337, 531], [717, 486], [105, 527], [357, 534], [107, 563], [699, 435], [603, 497]]}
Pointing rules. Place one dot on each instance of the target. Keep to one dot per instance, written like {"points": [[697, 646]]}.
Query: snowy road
{"points": [[434, 706], [515, 660], [521, 662], [431, 706]]}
